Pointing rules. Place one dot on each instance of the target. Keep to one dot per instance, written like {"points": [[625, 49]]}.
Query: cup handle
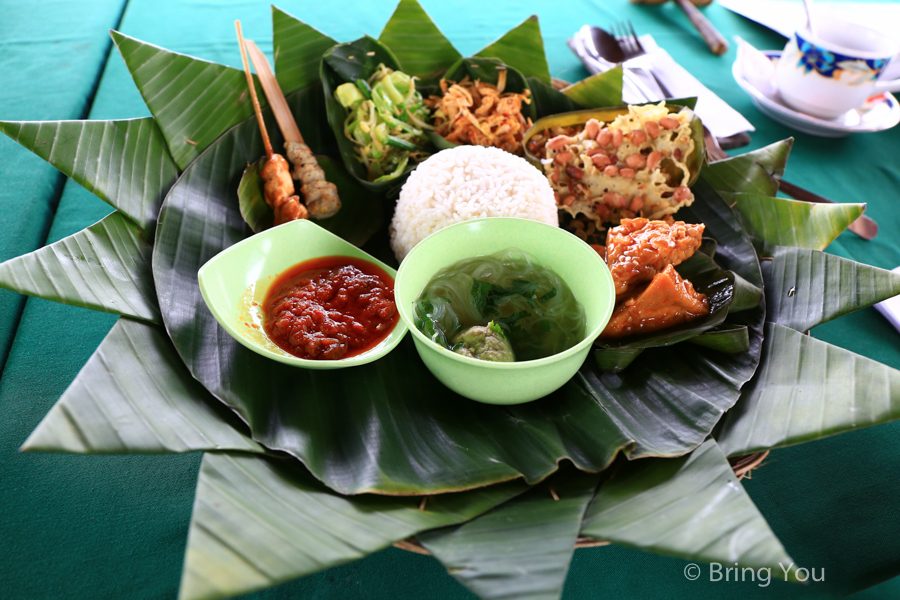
{"points": [[892, 85]]}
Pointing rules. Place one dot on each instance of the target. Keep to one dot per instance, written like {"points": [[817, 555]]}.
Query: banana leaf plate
{"points": [[304, 470]]}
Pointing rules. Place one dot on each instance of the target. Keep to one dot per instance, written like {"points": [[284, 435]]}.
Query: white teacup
{"points": [[827, 74]]}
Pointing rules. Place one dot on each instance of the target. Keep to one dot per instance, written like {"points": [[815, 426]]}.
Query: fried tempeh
{"points": [[667, 301], [638, 249]]}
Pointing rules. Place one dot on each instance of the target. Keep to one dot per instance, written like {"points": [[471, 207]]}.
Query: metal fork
{"points": [[628, 40], [631, 47]]}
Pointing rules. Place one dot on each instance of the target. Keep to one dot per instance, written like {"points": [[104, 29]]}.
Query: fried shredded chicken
{"points": [[321, 196], [667, 301], [638, 249], [279, 191], [481, 114]]}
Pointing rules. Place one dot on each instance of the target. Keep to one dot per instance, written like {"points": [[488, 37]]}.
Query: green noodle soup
{"points": [[505, 297]]}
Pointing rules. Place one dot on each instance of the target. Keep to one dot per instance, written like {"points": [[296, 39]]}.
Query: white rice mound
{"points": [[464, 183]]}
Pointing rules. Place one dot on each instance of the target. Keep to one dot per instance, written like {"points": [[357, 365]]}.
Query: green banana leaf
{"points": [[522, 549], [805, 288], [746, 295], [522, 48], [807, 389], [691, 507], [602, 89], [298, 50], [193, 101], [105, 267], [346, 63], [417, 42], [370, 433], [135, 395], [756, 172], [791, 222], [261, 521], [733, 339], [549, 101], [360, 216], [124, 163]]}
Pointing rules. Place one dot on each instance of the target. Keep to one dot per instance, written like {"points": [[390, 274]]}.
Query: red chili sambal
{"points": [[330, 308]]}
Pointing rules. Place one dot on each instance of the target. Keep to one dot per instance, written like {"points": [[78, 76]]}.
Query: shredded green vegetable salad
{"points": [[387, 121]]}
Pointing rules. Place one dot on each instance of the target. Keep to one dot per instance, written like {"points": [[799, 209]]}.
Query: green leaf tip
{"points": [[522, 48], [784, 222], [124, 163], [260, 521], [105, 267], [807, 389], [298, 47], [495, 555], [193, 101], [417, 42], [135, 395], [697, 510]]}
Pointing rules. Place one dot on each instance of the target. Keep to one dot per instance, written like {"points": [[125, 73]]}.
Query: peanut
{"points": [[563, 157], [638, 137], [669, 122], [627, 173], [601, 160], [604, 137], [652, 128], [617, 138], [558, 143], [653, 160], [611, 171], [636, 161], [592, 128], [574, 172]]}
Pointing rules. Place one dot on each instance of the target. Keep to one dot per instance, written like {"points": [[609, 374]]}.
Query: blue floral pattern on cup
{"points": [[831, 64]]}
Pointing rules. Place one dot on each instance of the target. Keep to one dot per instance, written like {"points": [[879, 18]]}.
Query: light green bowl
{"points": [[233, 280], [507, 383]]}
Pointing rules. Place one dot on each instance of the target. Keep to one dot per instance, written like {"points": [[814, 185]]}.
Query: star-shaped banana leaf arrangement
{"points": [[304, 470]]}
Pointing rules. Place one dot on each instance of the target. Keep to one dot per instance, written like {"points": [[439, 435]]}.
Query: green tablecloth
{"points": [[114, 527]]}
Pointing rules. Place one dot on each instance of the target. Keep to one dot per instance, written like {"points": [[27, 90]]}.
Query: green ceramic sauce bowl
{"points": [[234, 284], [518, 382]]}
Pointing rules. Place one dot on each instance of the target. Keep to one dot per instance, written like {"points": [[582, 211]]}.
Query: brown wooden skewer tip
{"points": [[274, 95], [252, 87]]}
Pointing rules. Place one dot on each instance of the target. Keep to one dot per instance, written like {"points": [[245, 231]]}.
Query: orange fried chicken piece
{"points": [[667, 301], [638, 249]]}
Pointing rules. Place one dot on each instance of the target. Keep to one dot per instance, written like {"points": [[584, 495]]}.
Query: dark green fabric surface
{"points": [[52, 55], [114, 527]]}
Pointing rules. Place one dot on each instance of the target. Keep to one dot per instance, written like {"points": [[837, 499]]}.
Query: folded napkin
{"points": [[890, 308], [722, 120]]}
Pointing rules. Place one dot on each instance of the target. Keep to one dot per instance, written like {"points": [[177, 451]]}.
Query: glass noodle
{"points": [[531, 304]]}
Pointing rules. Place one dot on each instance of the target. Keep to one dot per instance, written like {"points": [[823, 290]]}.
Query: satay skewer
{"points": [[278, 186], [321, 196]]}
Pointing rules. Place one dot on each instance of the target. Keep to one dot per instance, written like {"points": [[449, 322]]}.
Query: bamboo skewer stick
{"points": [[278, 185], [270, 86], [252, 87], [321, 196]]}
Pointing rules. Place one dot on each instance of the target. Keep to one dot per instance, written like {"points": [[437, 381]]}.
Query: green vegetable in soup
{"points": [[477, 303], [386, 120]]}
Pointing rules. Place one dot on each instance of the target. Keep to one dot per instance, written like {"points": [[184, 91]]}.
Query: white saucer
{"points": [[873, 116]]}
